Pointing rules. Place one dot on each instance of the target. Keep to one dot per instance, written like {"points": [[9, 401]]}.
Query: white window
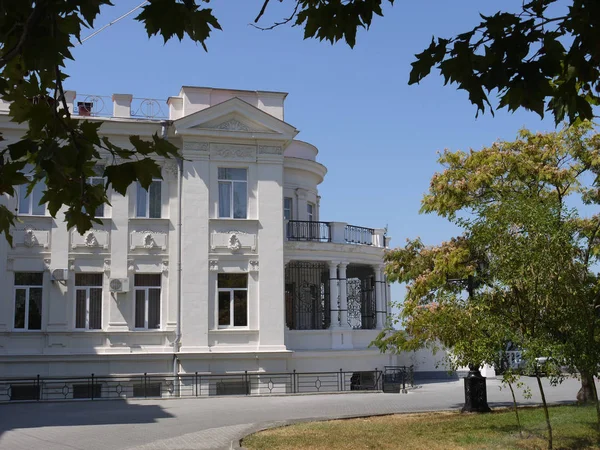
{"points": [[98, 180], [287, 208], [149, 202], [88, 301], [233, 300], [233, 193], [28, 300], [147, 301], [310, 211], [29, 204]]}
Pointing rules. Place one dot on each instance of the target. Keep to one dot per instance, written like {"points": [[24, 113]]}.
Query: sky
{"points": [[378, 137]]}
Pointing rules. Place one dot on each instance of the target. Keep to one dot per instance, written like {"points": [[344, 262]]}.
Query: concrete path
{"points": [[218, 423]]}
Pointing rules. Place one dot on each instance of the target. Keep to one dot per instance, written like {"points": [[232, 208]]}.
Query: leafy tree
{"points": [[535, 257]]}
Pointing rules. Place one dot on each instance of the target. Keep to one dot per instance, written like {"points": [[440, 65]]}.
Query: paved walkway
{"points": [[214, 423]]}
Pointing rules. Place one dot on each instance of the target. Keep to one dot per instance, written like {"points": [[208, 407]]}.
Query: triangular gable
{"points": [[234, 117]]}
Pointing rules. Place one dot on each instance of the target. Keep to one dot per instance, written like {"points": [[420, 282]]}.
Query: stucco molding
{"points": [[234, 125], [32, 237], [233, 240], [270, 150], [196, 146], [229, 151], [253, 265], [213, 265], [90, 239], [148, 240]]}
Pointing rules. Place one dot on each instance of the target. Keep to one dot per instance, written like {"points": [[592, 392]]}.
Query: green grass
{"points": [[573, 426]]}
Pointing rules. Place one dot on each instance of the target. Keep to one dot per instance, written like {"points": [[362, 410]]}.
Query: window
{"points": [[147, 301], [28, 300], [149, 201], [29, 204], [310, 211], [287, 208], [88, 301], [233, 300], [233, 193], [98, 180]]}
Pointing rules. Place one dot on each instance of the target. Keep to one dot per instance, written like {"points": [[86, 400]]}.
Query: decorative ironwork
{"points": [[475, 392], [361, 302], [149, 108], [307, 300], [305, 230], [93, 105], [358, 235]]}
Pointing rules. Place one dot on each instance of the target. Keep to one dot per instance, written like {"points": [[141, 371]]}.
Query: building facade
{"points": [[223, 265]]}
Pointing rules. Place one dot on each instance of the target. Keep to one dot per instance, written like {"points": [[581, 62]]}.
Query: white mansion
{"points": [[224, 265]]}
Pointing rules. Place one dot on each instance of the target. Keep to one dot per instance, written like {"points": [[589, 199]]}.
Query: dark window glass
{"points": [[153, 308], [233, 280], [140, 309], [147, 280], [20, 299], [29, 278], [95, 309], [80, 308], [88, 279], [154, 203], [35, 308], [230, 173], [224, 308], [240, 308]]}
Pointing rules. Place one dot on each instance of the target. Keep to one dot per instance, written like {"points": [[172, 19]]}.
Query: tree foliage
{"points": [[542, 58]]}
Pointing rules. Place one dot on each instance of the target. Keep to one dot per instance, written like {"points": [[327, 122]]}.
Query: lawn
{"points": [[573, 429]]}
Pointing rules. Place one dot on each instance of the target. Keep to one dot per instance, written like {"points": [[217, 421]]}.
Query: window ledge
{"points": [[233, 330], [158, 219], [232, 220]]}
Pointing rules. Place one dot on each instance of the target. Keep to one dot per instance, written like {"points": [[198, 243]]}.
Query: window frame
{"points": [[93, 181], [139, 189], [231, 292], [27, 288], [22, 196], [310, 212], [291, 208], [232, 194], [87, 302], [146, 289]]}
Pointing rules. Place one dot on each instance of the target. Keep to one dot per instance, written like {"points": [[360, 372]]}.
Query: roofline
{"points": [[285, 94]]}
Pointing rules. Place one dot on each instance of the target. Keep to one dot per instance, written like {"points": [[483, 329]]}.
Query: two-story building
{"points": [[223, 265]]}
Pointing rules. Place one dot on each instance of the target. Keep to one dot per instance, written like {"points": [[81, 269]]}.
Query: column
{"points": [[379, 305], [343, 295], [333, 295]]}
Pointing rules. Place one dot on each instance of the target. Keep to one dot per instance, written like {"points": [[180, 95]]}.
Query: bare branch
{"points": [[262, 11], [277, 24]]}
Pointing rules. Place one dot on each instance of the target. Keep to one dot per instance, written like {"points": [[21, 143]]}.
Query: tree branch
{"points": [[277, 24], [262, 11], [35, 14]]}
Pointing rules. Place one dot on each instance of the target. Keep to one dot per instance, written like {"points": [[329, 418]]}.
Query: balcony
{"points": [[336, 232]]}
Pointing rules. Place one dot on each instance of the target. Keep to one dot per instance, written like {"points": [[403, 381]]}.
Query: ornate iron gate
{"points": [[307, 304], [361, 303]]}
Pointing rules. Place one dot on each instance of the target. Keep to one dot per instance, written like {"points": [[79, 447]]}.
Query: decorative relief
{"points": [[270, 150], [71, 265], [233, 125], [165, 266], [196, 146], [233, 240], [90, 239], [106, 267], [47, 263], [234, 243], [31, 237], [130, 265], [213, 265], [148, 240], [232, 150], [253, 265]]}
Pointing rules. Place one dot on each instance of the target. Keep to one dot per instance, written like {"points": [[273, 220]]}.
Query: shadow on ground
{"points": [[36, 415]]}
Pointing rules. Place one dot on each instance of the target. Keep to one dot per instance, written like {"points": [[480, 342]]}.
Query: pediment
{"points": [[234, 118]]}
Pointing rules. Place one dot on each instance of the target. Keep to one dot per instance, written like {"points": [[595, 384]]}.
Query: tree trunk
{"points": [[548, 426], [595, 390], [586, 392], [516, 410]]}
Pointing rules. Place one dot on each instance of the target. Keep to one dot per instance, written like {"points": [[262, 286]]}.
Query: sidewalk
{"points": [[218, 423]]}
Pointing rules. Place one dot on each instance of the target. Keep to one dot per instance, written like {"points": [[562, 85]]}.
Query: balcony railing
{"points": [[336, 232], [304, 230], [102, 106], [358, 235]]}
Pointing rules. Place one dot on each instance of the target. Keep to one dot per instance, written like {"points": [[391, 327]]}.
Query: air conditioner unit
{"points": [[60, 274], [119, 285]]}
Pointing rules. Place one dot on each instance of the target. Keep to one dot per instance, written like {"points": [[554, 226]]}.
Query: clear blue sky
{"points": [[377, 136]]}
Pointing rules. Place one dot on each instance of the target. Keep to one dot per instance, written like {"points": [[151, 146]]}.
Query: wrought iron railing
{"points": [[185, 385], [102, 106], [359, 235], [305, 230], [307, 299]]}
